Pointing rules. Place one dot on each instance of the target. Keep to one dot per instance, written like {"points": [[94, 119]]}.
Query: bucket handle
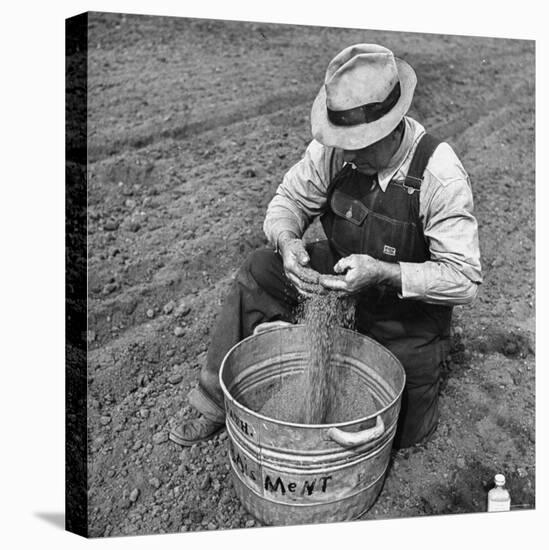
{"points": [[270, 325], [354, 439]]}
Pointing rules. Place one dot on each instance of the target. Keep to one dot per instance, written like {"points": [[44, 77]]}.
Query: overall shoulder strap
{"points": [[424, 150], [339, 176]]}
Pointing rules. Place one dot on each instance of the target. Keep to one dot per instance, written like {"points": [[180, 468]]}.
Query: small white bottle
{"points": [[499, 499]]}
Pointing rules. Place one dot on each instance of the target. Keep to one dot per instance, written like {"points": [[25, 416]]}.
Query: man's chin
{"points": [[366, 170]]}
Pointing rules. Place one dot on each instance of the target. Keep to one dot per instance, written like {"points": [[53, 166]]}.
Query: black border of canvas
{"points": [[76, 96]]}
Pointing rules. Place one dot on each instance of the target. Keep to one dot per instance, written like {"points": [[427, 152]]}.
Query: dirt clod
{"points": [[155, 482], [111, 226], [175, 379], [160, 437], [182, 310], [109, 288], [205, 483]]}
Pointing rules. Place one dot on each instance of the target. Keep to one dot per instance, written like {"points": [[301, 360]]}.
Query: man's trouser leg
{"points": [[419, 412], [260, 293]]}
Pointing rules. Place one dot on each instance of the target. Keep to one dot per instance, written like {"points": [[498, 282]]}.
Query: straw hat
{"points": [[366, 93]]}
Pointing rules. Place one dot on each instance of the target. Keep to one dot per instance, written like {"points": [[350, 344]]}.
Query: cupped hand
{"points": [[355, 273], [296, 260]]}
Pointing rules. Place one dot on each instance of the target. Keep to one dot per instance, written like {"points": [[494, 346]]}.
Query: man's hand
{"points": [[360, 271], [295, 260]]}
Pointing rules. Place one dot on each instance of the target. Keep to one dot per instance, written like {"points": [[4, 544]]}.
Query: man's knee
{"points": [[264, 266]]}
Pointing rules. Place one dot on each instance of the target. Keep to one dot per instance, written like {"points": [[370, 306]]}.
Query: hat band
{"points": [[370, 112]]}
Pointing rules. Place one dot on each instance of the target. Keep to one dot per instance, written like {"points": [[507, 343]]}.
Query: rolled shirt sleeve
{"points": [[453, 273], [302, 194]]}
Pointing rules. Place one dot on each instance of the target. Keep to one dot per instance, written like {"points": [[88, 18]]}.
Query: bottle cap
{"points": [[499, 479]]}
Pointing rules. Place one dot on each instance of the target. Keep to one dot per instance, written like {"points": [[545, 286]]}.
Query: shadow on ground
{"points": [[57, 519]]}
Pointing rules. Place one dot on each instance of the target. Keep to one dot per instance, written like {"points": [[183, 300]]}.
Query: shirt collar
{"points": [[401, 155]]}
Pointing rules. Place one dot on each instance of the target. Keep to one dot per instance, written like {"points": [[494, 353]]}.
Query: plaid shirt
{"points": [[453, 273]]}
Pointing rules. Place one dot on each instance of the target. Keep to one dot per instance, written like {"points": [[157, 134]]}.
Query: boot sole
{"points": [[173, 436]]}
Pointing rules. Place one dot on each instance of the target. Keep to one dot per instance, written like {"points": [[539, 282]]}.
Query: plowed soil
{"points": [[191, 126]]}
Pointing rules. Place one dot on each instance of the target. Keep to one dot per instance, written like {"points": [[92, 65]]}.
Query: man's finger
{"points": [[344, 264], [301, 285], [303, 258], [333, 282], [307, 274], [306, 294], [297, 250]]}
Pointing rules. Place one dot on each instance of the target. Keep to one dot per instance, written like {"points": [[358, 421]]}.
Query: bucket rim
{"points": [[347, 423]]}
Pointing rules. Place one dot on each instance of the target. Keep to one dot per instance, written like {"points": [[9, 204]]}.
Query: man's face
{"points": [[374, 158]]}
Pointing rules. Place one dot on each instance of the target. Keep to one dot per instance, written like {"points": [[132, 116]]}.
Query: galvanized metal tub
{"points": [[286, 473]]}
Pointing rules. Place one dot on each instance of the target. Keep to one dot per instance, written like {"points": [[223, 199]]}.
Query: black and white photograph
{"points": [[310, 274], [272, 278]]}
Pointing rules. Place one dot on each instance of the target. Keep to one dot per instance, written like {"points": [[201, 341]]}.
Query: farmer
{"points": [[396, 206]]}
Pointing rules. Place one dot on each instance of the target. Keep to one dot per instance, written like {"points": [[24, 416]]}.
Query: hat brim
{"points": [[362, 135]]}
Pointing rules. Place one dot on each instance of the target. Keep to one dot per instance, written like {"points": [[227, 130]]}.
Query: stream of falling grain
{"points": [[322, 314]]}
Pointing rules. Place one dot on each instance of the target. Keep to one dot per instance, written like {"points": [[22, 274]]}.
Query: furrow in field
{"points": [[231, 111]]}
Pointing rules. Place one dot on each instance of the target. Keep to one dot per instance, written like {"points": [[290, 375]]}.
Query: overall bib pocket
{"points": [[347, 229]]}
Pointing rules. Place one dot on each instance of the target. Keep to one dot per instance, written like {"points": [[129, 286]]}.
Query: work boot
{"points": [[210, 420], [195, 430]]}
